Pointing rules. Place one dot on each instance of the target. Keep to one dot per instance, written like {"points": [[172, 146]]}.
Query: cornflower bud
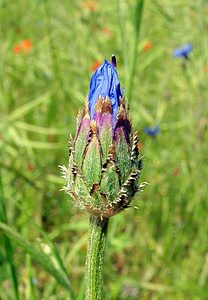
{"points": [[104, 165]]}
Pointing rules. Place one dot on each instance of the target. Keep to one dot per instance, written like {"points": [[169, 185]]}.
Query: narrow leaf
{"points": [[26, 108], [41, 258], [7, 245]]}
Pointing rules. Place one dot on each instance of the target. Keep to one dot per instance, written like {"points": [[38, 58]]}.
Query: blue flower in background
{"points": [[183, 51], [104, 82], [152, 131]]}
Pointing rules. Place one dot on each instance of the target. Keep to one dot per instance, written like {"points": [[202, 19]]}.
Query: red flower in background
{"points": [[147, 46], [89, 5], [30, 167], [24, 46], [176, 172], [18, 30], [140, 146], [107, 31], [95, 65]]}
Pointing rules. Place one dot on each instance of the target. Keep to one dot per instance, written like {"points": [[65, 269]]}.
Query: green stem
{"points": [[95, 257], [7, 244], [138, 10], [124, 48]]}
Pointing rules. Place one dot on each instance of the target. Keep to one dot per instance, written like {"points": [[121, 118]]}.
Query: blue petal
{"points": [[104, 82], [152, 131], [183, 51]]}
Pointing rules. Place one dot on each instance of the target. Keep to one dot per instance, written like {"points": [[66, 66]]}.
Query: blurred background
{"points": [[49, 50]]}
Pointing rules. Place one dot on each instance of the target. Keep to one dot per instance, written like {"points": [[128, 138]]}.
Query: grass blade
{"points": [[42, 259], [39, 145], [53, 248], [138, 10], [7, 245], [26, 108], [39, 129]]}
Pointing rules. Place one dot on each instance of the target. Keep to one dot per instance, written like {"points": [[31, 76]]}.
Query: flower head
{"points": [[176, 172], [30, 167], [95, 65], [206, 68], [24, 46], [183, 51], [105, 83], [89, 5], [106, 31], [147, 46], [104, 164], [152, 131]]}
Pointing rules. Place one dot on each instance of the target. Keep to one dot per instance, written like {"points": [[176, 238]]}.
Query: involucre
{"points": [[104, 165]]}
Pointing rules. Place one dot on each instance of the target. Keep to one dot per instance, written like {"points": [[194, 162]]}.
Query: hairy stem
{"points": [[95, 257]]}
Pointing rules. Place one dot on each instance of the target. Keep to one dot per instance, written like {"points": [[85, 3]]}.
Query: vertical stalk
{"points": [[124, 48], [95, 258], [57, 78], [7, 244], [138, 10]]}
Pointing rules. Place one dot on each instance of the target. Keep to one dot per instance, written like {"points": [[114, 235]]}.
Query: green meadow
{"points": [[49, 51]]}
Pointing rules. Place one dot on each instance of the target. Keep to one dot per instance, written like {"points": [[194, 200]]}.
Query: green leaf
{"points": [[137, 18], [7, 244], [39, 129], [39, 145], [41, 258], [54, 250], [26, 108]]}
